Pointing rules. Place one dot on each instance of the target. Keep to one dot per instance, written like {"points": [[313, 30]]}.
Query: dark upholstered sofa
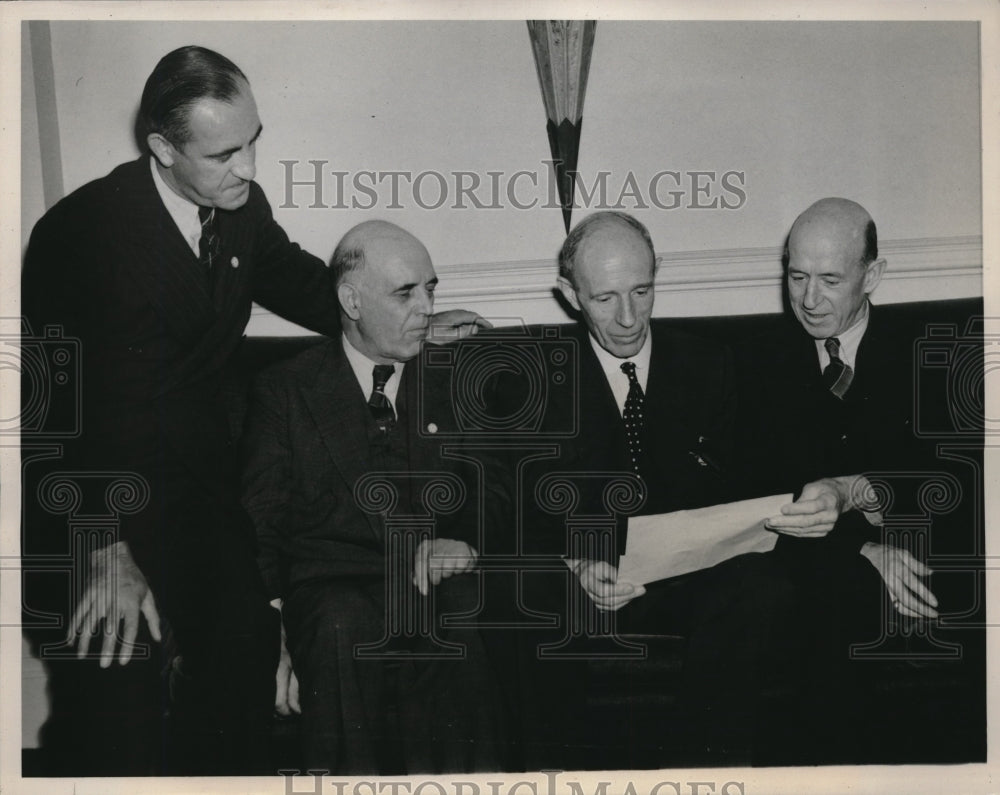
{"points": [[925, 702]]}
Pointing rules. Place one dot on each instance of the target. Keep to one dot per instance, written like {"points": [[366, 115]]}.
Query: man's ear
{"points": [[873, 275], [162, 149], [349, 299], [568, 291]]}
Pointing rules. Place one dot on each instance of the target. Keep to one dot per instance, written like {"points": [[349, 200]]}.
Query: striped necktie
{"points": [[632, 415], [379, 404], [836, 375], [209, 243]]}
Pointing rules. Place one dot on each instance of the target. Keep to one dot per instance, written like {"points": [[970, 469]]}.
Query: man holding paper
{"points": [[839, 398], [835, 399], [657, 406]]}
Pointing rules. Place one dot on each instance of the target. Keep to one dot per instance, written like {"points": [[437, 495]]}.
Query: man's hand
{"points": [[455, 324], [600, 580], [815, 512], [439, 558], [286, 694], [116, 593], [901, 573]]}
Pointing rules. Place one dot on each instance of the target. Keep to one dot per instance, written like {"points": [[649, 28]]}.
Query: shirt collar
{"points": [[183, 211], [850, 341], [363, 368]]}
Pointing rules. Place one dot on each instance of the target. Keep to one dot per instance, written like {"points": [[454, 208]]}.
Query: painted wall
{"points": [[886, 113]]}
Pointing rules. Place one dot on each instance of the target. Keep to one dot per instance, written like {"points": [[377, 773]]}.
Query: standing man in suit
{"points": [[319, 427], [834, 400], [153, 269], [655, 406]]}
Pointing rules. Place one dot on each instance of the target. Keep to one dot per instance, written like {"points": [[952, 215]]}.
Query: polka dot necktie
{"points": [[633, 416], [209, 242], [379, 404], [836, 375]]}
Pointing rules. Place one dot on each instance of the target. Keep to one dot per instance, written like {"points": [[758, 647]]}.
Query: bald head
{"points": [[839, 224], [385, 283], [833, 266], [369, 237]]}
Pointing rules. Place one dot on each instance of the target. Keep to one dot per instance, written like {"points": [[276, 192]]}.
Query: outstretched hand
{"points": [[600, 580], [814, 513], [455, 324], [116, 594], [439, 558], [902, 573]]}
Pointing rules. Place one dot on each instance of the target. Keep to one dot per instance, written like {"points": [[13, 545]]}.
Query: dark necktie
{"points": [[208, 243], [836, 375], [379, 404], [633, 416]]}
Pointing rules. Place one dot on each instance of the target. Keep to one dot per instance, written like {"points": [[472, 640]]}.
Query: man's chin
{"points": [[235, 199], [817, 328], [627, 348]]}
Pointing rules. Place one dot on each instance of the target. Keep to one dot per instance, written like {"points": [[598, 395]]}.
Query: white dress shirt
{"points": [[364, 367], [849, 342], [184, 212]]}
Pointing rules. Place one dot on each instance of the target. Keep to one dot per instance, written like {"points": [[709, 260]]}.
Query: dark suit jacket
{"points": [[108, 266], [793, 431], [689, 412], [306, 446]]}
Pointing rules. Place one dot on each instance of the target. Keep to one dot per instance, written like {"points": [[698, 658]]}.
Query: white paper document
{"points": [[668, 544]]}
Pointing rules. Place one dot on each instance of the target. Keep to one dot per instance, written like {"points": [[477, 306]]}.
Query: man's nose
{"points": [[425, 304], [626, 314], [812, 295], [245, 164]]}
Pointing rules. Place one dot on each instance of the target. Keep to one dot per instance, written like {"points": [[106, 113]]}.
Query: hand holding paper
{"points": [[600, 580], [814, 513]]}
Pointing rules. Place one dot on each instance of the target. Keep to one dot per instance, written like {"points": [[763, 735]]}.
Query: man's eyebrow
{"points": [[234, 149]]}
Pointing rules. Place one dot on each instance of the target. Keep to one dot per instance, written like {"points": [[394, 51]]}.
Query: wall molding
{"points": [[689, 283]]}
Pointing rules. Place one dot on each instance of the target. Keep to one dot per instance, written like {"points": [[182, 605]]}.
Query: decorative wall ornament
{"points": [[562, 56]]}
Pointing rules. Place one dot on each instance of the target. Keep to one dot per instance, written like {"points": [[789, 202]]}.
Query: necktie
{"points": [[208, 243], [379, 404], [633, 416], [836, 375]]}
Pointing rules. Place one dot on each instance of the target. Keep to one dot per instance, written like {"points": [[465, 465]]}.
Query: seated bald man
{"points": [[355, 543], [831, 393], [853, 419]]}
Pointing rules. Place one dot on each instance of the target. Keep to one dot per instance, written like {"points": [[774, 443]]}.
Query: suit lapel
{"points": [[230, 273], [601, 435], [874, 362], [664, 393], [159, 259], [341, 415], [420, 447]]}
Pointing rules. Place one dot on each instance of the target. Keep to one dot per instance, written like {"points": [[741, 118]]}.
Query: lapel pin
{"points": [[432, 427], [235, 262]]}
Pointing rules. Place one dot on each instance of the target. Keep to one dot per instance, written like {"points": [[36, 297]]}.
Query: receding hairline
{"points": [[351, 252], [589, 227]]}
